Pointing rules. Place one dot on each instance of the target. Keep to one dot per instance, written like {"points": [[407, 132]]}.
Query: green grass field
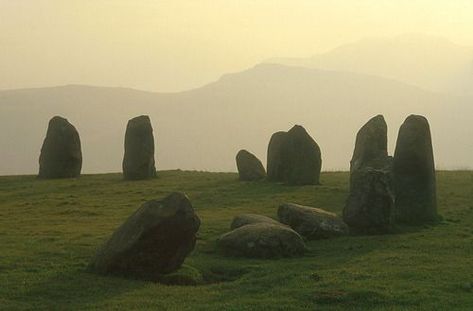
{"points": [[49, 230]]}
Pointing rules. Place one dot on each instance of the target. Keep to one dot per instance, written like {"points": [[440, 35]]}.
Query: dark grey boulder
{"points": [[294, 158], [414, 173], [138, 161], [249, 166], [312, 223], [61, 155], [261, 240], [247, 219], [153, 241], [275, 167], [370, 205], [371, 146]]}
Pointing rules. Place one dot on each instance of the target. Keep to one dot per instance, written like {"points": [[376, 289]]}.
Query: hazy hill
{"points": [[204, 128], [433, 63]]}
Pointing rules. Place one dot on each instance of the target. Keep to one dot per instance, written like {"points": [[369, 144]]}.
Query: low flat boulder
{"points": [[153, 241], [249, 166], [248, 219], [261, 240], [370, 205], [312, 223]]}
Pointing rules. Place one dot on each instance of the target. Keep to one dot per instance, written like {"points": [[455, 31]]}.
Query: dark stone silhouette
{"points": [[153, 241], [312, 223], [371, 146], [138, 161], [274, 159], [261, 240], [414, 173], [249, 167], [370, 205], [61, 155], [294, 158], [247, 219]]}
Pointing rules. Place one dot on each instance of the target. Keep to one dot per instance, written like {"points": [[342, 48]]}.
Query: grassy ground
{"points": [[50, 229]]}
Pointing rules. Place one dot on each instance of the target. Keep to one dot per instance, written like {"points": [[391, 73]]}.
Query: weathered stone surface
{"points": [[138, 161], [275, 167], [61, 155], [371, 146], [249, 166], [247, 219], [312, 223], [414, 173], [153, 241], [261, 240], [370, 205], [294, 158]]}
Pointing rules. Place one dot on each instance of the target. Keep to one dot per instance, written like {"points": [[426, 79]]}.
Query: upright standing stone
{"points": [[153, 241], [301, 157], [294, 157], [249, 166], [61, 155], [414, 172], [370, 204], [138, 161], [274, 160]]}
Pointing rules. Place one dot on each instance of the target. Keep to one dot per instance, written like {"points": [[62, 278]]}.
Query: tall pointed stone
{"points": [[61, 155], [138, 161], [414, 173], [370, 204]]}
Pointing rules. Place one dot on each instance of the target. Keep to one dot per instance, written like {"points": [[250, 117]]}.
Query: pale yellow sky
{"points": [[176, 45]]}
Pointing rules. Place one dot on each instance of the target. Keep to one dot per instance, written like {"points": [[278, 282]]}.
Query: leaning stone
{"points": [[247, 219], [155, 240], [61, 155], [312, 223], [249, 166], [261, 240], [138, 161], [370, 205], [414, 173]]}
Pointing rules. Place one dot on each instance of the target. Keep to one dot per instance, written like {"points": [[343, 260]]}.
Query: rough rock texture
{"points": [[414, 173], [370, 205], [138, 161], [247, 219], [294, 158], [261, 240], [249, 166], [371, 146], [153, 241], [274, 159], [312, 223], [61, 155]]}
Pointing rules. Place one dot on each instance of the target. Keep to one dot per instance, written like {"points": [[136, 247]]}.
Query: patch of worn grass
{"points": [[49, 230]]}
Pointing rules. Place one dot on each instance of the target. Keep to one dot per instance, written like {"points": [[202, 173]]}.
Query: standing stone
{"points": [[294, 158], [153, 241], [370, 204], [249, 166], [138, 161], [274, 159], [414, 173], [61, 155]]}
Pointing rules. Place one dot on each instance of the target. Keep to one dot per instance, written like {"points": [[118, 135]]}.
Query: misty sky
{"points": [[176, 45]]}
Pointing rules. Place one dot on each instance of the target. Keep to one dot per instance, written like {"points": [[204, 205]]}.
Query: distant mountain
{"points": [[428, 62], [204, 128]]}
